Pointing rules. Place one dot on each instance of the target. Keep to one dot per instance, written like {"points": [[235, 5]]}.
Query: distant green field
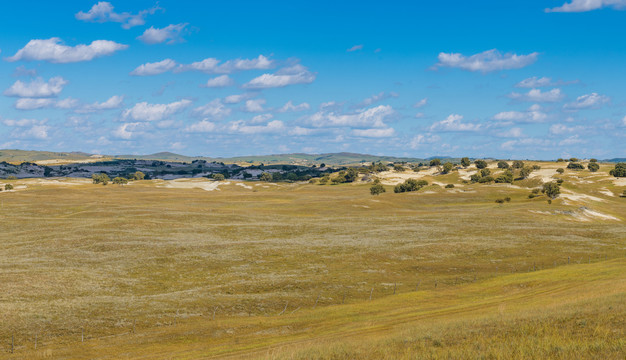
{"points": [[288, 269]]}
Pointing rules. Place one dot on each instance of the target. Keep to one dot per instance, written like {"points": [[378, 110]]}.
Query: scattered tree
{"points": [[377, 188], [593, 160], [480, 164], [120, 180], [101, 178], [465, 162], [137, 175], [573, 159], [485, 172], [575, 166], [505, 177], [518, 164], [619, 170], [449, 186], [447, 167], [265, 176], [560, 170], [399, 168], [551, 189], [410, 185], [8, 187], [435, 162], [503, 165], [218, 177], [525, 172], [593, 167]]}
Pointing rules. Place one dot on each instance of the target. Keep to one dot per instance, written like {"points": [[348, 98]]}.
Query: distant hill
{"points": [[615, 160], [19, 156], [343, 158]]}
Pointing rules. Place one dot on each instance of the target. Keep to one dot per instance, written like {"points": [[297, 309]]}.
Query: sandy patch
{"points": [[570, 195], [395, 178], [592, 214], [244, 185], [61, 181], [207, 185], [581, 214], [465, 174], [619, 181], [607, 192], [544, 174], [361, 206]]}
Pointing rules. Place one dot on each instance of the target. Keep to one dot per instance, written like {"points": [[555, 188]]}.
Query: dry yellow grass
{"points": [[102, 258]]}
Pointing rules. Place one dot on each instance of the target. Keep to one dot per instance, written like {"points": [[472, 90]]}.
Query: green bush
{"points": [[505, 177], [503, 165], [560, 170], [575, 166], [447, 167], [551, 189], [101, 178], [619, 170], [480, 164], [218, 177], [465, 162], [485, 172], [593, 167], [435, 162], [410, 185], [120, 180], [518, 164], [449, 186], [377, 188], [8, 187], [265, 176], [399, 168]]}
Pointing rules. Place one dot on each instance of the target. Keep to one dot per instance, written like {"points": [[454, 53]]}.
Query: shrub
{"points": [[531, 195], [500, 201], [265, 176], [536, 191], [518, 164], [218, 177], [377, 188], [8, 187], [507, 199], [435, 162], [560, 160], [593, 160], [101, 178], [573, 159], [475, 178], [559, 181], [120, 180], [575, 166], [480, 164], [137, 175], [410, 185], [551, 189], [449, 186], [525, 172], [399, 168], [536, 167], [447, 167], [560, 170], [505, 177], [503, 165], [325, 179], [619, 170], [485, 172], [486, 179], [12, 177], [465, 162], [593, 167]]}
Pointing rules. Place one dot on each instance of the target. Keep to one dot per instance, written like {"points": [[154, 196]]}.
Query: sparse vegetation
{"points": [[465, 162], [100, 178], [551, 189], [218, 177], [480, 164], [619, 170], [593, 167], [503, 165], [575, 166], [377, 188], [410, 185]]}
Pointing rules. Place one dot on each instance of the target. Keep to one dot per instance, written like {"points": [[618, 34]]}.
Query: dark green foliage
{"points": [[500, 201], [351, 175], [8, 187], [465, 162], [378, 167], [447, 167], [525, 172], [560, 160], [101, 178], [575, 166], [484, 172], [399, 168], [138, 175], [507, 199], [480, 164], [505, 177], [449, 186], [120, 180], [291, 177], [560, 170], [410, 185], [619, 171], [503, 165], [536, 167], [593, 160], [551, 189], [573, 159], [486, 179], [435, 162], [325, 179], [218, 177], [474, 178], [559, 181], [518, 164], [265, 176], [377, 188], [593, 167]]}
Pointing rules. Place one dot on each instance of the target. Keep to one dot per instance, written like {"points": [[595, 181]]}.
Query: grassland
{"points": [[289, 269]]}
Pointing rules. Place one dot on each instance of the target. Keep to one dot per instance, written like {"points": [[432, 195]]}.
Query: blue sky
{"points": [[507, 79]]}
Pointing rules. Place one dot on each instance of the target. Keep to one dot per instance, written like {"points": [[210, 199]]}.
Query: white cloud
{"points": [[420, 140], [593, 100], [275, 126], [376, 98], [536, 95], [103, 12], [154, 68], [261, 118], [255, 105], [289, 106], [490, 60], [214, 110], [534, 82], [213, 66], [301, 131], [374, 133], [154, 112], [355, 48], [54, 51], [236, 99], [533, 115], [421, 103], [23, 122], [39, 132], [572, 140], [588, 5], [201, 127], [624, 121], [37, 88], [113, 102], [511, 133], [129, 130], [559, 129], [32, 104], [220, 81], [526, 142], [369, 118], [171, 33], [454, 123], [296, 74]]}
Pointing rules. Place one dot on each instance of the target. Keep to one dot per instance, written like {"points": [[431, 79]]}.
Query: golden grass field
{"points": [[282, 271]]}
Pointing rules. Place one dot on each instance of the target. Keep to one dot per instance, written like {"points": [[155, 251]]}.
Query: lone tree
{"points": [[265, 176], [137, 175], [480, 164], [447, 167], [503, 165], [525, 172], [551, 189], [505, 177], [120, 180], [560, 170], [377, 188], [518, 164], [435, 162], [8, 187], [593, 166], [619, 171], [101, 178], [218, 177], [575, 166], [465, 162]]}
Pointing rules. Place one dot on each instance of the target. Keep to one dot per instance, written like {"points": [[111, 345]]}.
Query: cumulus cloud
{"points": [[32, 104], [454, 123], [214, 110], [420, 139], [514, 132], [154, 68], [255, 105], [275, 126], [490, 60], [171, 34], [154, 112], [368, 118], [28, 128], [54, 51], [235, 99], [220, 81], [376, 98], [296, 74], [533, 115], [113, 102], [355, 48], [203, 126], [374, 133], [536, 95], [301, 131], [593, 100], [103, 11], [289, 106], [572, 140], [525, 142], [559, 129], [421, 103], [258, 119], [588, 5], [536, 82], [23, 122], [129, 130], [37, 88]]}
